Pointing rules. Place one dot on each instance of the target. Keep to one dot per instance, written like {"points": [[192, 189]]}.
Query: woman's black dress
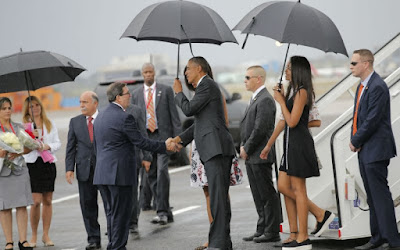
{"points": [[299, 158]]}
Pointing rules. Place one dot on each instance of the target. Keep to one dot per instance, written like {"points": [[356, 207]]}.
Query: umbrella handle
{"points": [[284, 64], [26, 73]]}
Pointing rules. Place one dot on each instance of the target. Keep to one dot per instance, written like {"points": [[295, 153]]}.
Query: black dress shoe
{"points": [[268, 237], [134, 229], [160, 219], [93, 246], [170, 217], [367, 246], [251, 237], [387, 246]]}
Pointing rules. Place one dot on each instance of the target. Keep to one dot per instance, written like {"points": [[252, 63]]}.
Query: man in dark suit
{"points": [[214, 144], [143, 161], [115, 137], [372, 138], [80, 155], [162, 122], [256, 128]]}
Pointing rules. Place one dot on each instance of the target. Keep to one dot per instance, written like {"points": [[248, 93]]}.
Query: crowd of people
{"points": [[109, 150]]}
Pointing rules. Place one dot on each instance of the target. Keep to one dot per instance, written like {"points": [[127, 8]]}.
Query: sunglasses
{"points": [[354, 63], [249, 77]]}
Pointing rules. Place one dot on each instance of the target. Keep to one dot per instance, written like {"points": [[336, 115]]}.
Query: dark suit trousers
{"points": [[135, 202], [146, 195], [159, 179], [88, 199], [118, 207], [265, 197], [382, 217], [218, 175]]}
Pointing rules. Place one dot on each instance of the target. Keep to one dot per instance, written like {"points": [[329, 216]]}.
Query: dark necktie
{"points": [[90, 128]]}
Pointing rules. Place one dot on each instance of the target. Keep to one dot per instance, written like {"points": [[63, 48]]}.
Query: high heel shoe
{"points": [[22, 247], [48, 243], [9, 243]]}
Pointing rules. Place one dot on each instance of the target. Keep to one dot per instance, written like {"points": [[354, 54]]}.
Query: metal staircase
{"points": [[340, 188]]}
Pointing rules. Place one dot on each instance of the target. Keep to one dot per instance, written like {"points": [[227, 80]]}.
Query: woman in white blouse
{"points": [[41, 165]]}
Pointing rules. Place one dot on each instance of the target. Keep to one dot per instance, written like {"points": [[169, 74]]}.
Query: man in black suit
{"points": [[162, 122], [214, 144], [256, 128], [372, 137], [143, 161], [115, 136], [80, 156]]}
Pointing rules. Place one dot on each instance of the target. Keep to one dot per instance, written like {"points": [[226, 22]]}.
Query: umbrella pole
{"points": [[29, 98], [283, 67], [177, 68]]}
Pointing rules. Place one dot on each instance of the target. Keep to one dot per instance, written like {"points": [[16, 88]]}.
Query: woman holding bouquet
{"points": [[15, 188], [41, 165]]}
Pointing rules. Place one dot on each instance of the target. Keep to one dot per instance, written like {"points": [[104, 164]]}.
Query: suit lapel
{"points": [[141, 101], [251, 103], [370, 82], [85, 130], [158, 94]]}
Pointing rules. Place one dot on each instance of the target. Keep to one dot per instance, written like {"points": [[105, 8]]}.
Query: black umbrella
{"points": [[293, 22], [179, 22], [35, 69]]}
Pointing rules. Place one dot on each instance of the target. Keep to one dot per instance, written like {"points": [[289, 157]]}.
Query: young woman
{"points": [[42, 172], [299, 160], [15, 188]]}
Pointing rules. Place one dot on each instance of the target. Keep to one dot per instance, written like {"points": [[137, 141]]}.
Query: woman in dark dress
{"points": [[299, 160]]}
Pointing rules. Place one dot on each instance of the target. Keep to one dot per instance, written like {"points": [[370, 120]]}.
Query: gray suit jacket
{"points": [[139, 114], [168, 122], [257, 127], [209, 128], [80, 151]]}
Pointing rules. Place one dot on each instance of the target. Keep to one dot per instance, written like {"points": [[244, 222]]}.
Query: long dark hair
{"points": [[301, 78], [205, 66]]}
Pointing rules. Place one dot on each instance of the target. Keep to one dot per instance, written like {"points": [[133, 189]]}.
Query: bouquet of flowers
{"points": [[46, 155], [28, 140], [9, 142]]}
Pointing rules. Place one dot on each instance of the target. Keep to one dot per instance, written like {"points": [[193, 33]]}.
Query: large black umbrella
{"points": [[179, 22], [35, 69], [293, 22]]}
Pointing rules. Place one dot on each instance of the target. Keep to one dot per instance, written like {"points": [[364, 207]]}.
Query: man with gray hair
{"points": [[80, 156], [116, 135]]}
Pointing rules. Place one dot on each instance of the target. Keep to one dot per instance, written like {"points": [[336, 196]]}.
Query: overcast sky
{"points": [[88, 31]]}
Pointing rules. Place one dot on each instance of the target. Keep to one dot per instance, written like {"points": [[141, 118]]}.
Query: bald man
{"points": [[256, 128], [80, 156]]}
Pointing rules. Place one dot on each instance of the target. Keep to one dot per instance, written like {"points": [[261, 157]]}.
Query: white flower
{"points": [[12, 140]]}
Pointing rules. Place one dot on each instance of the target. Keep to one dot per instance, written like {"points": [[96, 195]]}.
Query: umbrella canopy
{"points": [[179, 22], [35, 69], [293, 22]]}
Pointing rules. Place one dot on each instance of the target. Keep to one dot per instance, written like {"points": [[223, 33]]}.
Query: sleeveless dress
{"points": [[299, 158]]}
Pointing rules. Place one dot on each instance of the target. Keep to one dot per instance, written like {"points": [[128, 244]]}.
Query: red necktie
{"points": [[90, 128], [356, 111], [151, 122]]}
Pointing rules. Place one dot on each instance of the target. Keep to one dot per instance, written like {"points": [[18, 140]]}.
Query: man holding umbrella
{"points": [[214, 144]]}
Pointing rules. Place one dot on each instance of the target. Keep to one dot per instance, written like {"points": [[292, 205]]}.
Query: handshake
{"points": [[174, 144]]}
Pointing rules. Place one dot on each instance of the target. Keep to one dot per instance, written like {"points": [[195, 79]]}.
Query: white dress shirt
{"points": [[50, 139]]}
